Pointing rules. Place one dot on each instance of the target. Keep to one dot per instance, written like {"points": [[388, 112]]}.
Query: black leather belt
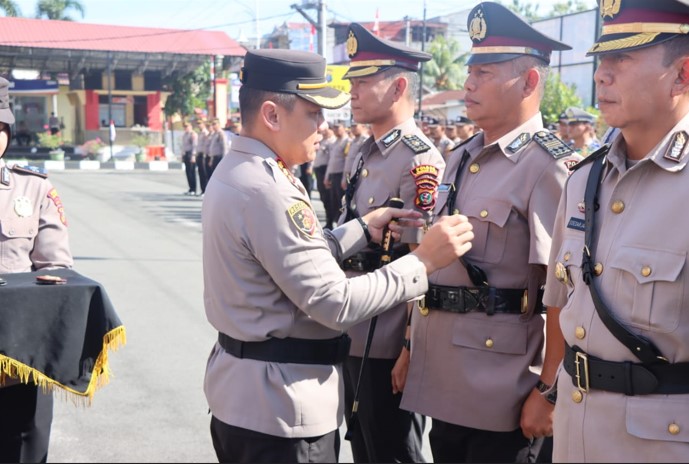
{"points": [[367, 261], [589, 372], [289, 350], [483, 299]]}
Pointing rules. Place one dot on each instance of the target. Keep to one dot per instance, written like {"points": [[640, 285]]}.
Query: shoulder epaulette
{"points": [[602, 151], [464, 142], [33, 170], [415, 143], [552, 144]]}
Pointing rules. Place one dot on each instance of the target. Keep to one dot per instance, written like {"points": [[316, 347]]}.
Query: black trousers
{"points": [[384, 432], [202, 168], [324, 193], [213, 162], [235, 444], [335, 193], [306, 179], [26, 414], [455, 443], [190, 171]]}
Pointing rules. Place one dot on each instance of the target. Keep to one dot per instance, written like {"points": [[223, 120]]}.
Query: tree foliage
{"points": [[10, 8], [571, 6], [188, 91], [557, 98], [58, 9], [446, 70], [530, 10]]}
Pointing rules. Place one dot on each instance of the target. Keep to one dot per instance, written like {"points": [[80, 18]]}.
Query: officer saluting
{"points": [[478, 336], [274, 289], [619, 266], [398, 160]]}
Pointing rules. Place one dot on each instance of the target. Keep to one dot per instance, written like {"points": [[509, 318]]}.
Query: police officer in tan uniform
{"points": [[478, 336], [217, 146], [359, 133], [273, 286], [397, 161], [189, 147], [201, 150], [334, 173], [33, 236], [618, 267]]}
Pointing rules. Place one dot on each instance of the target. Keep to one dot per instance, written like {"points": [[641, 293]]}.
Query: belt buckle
{"points": [[423, 309], [581, 359]]}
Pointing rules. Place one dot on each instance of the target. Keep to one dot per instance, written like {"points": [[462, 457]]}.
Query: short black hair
{"points": [[250, 101], [675, 48]]}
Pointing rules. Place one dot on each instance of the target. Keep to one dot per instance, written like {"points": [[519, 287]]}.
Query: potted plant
{"points": [[90, 148], [141, 141], [53, 143]]}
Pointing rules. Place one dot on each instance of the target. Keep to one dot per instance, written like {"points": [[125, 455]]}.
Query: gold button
{"points": [[580, 332], [598, 268], [618, 207], [424, 310], [370, 201], [484, 213], [474, 168], [561, 273], [364, 173], [673, 429], [568, 256], [577, 396], [455, 211], [646, 271], [489, 343]]}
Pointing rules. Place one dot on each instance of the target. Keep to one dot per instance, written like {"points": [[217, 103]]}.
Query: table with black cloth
{"points": [[57, 336]]}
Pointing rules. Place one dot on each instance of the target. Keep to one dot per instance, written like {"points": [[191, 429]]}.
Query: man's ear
{"points": [[531, 81], [269, 116], [401, 84], [681, 84]]}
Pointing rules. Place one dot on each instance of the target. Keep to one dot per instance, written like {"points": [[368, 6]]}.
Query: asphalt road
{"points": [[135, 233]]}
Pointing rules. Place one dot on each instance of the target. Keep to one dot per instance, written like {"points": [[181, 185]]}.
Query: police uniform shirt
{"points": [[202, 141], [218, 144], [354, 148], [641, 267], [189, 142], [269, 272], [395, 170], [337, 149], [207, 138], [444, 144], [323, 153], [509, 191], [33, 226]]}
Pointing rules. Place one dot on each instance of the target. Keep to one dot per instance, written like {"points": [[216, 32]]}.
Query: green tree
{"points": [[188, 91], [445, 71], [58, 9], [10, 8], [557, 98]]}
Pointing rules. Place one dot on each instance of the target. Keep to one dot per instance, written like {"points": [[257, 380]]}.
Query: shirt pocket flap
{"points": [[19, 227], [648, 265], [663, 419], [488, 210], [491, 335]]}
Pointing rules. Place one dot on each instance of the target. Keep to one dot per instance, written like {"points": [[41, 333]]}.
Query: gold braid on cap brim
{"points": [[627, 42], [363, 71], [329, 103]]}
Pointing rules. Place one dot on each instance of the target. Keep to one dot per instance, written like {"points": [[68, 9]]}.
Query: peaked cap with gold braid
{"points": [[635, 24], [370, 54]]}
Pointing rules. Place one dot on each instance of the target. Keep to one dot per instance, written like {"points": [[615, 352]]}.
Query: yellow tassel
{"points": [[100, 375]]}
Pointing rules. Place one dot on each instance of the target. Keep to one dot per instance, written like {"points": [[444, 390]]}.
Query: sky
{"points": [[239, 17]]}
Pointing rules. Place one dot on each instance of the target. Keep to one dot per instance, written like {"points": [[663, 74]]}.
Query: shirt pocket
{"points": [[659, 419], [648, 282], [16, 239], [497, 336], [488, 216]]}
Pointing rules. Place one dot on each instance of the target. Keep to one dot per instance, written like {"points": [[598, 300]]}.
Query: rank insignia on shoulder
{"points": [[521, 141], [416, 144], [553, 145], [303, 217], [30, 170], [391, 138], [677, 145]]}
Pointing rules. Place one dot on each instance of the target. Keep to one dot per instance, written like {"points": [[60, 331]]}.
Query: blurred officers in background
{"points": [[189, 147], [337, 152], [273, 286], [477, 337], [618, 267], [581, 131], [563, 128], [396, 161], [451, 133], [465, 128], [320, 166], [33, 236], [440, 140], [358, 133], [217, 147], [202, 145]]}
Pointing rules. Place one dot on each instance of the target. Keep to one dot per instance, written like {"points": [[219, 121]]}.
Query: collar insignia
{"points": [[519, 142], [5, 176], [477, 28], [391, 138], [677, 145]]}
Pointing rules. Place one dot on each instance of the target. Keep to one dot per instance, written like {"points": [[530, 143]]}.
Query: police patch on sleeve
{"points": [[553, 145], [416, 144], [58, 204], [426, 179], [303, 217]]}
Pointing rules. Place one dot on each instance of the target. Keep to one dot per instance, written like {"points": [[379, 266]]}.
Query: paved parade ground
{"points": [[136, 234]]}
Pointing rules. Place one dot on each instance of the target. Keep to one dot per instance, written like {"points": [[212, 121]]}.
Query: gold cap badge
{"points": [[609, 8], [352, 45], [477, 28]]}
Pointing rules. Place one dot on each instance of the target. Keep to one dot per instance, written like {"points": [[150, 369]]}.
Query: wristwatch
{"points": [[407, 344], [547, 391]]}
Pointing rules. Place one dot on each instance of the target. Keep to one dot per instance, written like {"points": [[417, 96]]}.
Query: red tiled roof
{"points": [[70, 35]]}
